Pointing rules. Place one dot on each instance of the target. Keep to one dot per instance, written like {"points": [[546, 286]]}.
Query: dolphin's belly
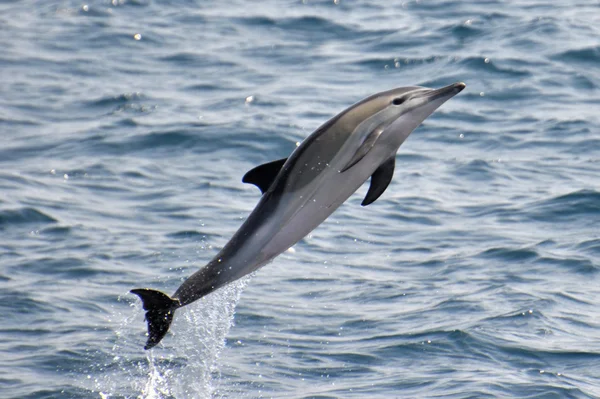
{"points": [[329, 192]]}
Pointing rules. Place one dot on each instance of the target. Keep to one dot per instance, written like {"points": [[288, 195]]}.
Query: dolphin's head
{"points": [[397, 112], [409, 106], [383, 121]]}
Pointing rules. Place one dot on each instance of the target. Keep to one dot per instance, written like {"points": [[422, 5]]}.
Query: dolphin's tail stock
{"points": [[159, 313]]}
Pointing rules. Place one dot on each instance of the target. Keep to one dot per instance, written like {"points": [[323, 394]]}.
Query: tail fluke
{"points": [[159, 313]]}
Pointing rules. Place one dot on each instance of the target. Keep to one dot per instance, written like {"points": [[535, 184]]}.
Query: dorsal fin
{"points": [[364, 148], [380, 180], [263, 175]]}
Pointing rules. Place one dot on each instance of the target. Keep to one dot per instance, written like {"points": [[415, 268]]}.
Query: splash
{"points": [[198, 340], [185, 364]]}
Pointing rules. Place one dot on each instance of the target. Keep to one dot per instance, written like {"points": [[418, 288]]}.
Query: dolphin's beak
{"points": [[445, 92]]}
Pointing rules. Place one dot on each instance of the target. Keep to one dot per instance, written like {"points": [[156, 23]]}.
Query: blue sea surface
{"points": [[127, 126]]}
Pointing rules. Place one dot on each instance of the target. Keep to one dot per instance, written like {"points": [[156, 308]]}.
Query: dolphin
{"points": [[301, 191]]}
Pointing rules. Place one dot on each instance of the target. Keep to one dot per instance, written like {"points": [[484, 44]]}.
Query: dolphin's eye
{"points": [[398, 101]]}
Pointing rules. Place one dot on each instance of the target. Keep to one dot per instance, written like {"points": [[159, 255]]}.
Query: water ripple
{"points": [[128, 125]]}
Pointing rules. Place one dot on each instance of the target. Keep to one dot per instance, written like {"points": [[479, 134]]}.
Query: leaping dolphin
{"points": [[301, 191]]}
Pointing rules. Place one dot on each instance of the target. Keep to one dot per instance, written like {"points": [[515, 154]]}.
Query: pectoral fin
{"points": [[263, 175], [380, 180], [364, 148]]}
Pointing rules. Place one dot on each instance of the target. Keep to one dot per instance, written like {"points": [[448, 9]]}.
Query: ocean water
{"points": [[126, 127]]}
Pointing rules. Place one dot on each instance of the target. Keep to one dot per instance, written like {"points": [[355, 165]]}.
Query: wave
{"points": [[24, 216]]}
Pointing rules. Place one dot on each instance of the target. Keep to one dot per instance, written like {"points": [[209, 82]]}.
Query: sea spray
{"points": [[185, 365], [192, 352]]}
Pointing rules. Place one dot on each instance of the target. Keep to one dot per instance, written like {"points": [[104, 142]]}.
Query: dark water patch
{"points": [[258, 151], [563, 357], [310, 281], [542, 390], [495, 16], [473, 118], [581, 147], [587, 56], [448, 9], [85, 305], [527, 43], [135, 174], [20, 152], [56, 231], [419, 203], [416, 337], [190, 235], [575, 300], [308, 28], [66, 268], [458, 306], [172, 212], [116, 101], [290, 56], [415, 250], [392, 42], [430, 263], [426, 344], [158, 194], [145, 3], [23, 216], [568, 207], [194, 60], [521, 317], [157, 142], [13, 122], [510, 254], [573, 322], [135, 102], [7, 382], [204, 88], [364, 325], [567, 129], [557, 146], [62, 360], [549, 243], [126, 40], [476, 170], [254, 319], [412, 157], [463, 32], [33, 333], [61, 392], [13, 181], [126, 122], [581, 82], [577, 265], [419, 220], [19, 303], [98, 188], [541, 27], [590, 246]]}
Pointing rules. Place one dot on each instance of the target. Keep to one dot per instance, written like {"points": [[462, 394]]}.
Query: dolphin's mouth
{"points": [[447, 91]]}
